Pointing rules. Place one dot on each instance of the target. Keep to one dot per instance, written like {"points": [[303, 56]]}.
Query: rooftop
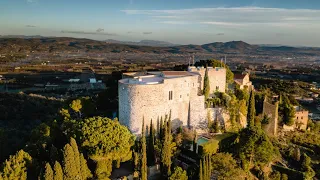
{"points": [[239, 76]]}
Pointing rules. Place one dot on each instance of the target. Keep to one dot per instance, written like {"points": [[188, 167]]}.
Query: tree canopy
{"points": [[103, 138]]}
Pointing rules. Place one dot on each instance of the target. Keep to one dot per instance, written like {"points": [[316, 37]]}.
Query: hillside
{"points": [[143, 43], [65, 44]]}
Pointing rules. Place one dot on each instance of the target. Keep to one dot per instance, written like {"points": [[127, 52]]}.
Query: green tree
{"points": [[76, 106], [179, 174], [287, 111], [201, 171], [284, 177], [166, 153], [58, 172], [144, 168], [74, 146], [84, 169], [103, 169], [69, 168], [255, 148], [48, 175], [251, 110], [104, 138], [206, 85], [151, 157], [225, 166], [16, 166], [308, 172]]}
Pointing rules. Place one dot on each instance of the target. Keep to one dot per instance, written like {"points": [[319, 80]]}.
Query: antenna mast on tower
{"points": [[193, 59]]}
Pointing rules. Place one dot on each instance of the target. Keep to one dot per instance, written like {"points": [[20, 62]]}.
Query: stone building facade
{"points": [[217, 77], [243, 80], [151, 95], [271, 110], [301, 120]]}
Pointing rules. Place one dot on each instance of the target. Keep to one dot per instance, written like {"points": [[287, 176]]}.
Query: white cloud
{"points": [[223, 23], [174, 22], [32, 1], [236, 16]]}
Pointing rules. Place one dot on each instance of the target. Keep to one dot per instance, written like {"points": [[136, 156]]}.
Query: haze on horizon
{"points": [[289, 22]]}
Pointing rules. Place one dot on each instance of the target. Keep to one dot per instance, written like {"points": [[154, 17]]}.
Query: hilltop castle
{"points": [[150, 95]]}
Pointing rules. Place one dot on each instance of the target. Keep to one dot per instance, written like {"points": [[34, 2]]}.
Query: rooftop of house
{"points": [[239, 76], [154, 77]]}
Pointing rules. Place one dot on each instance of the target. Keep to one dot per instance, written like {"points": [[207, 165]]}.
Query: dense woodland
{"points": [[45, 138]]}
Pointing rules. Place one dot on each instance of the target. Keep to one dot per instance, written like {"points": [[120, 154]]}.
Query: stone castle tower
{"points": [[154, 94]]}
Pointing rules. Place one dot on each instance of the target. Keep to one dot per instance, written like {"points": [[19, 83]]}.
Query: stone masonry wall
{"points": [[217, 78], [271, 110], [138, 101]]}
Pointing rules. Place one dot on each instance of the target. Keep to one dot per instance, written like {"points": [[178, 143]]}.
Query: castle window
{"points": [[297, 117], [170, 95], [217, 88], [188, 94], [180, 96], [301, 117], [193, 84]]}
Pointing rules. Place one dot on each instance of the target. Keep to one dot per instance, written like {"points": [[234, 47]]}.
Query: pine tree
{"points": [[58, 173], [251, 110], [206, 85], [144, 172], [200, 171], [16, 166], [70, 171], [151, 157], [48, 175]]}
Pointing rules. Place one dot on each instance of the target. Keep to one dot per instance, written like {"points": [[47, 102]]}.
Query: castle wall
{"points": [[217, 78], [151, 101]]}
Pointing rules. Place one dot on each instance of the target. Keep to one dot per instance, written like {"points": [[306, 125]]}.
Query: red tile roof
{"points": [[176, 73], [239, 76]]}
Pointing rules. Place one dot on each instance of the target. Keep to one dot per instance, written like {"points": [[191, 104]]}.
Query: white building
{"points": [[151, 95]]}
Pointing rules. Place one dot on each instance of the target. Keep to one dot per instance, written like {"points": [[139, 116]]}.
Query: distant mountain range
{"points": [[28, 44], [144, 43]]}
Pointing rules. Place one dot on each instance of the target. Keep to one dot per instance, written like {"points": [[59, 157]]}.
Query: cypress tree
{"points": [[166, 153], [204, 167], [151, 158], [58, 173], [169, 124], [195, 139], [208, 168], [251, 110], [144, 173], [206, 85], [48, 175], [70, 171], [161, 129], [84, 169], [200, 171], [74, 146]]}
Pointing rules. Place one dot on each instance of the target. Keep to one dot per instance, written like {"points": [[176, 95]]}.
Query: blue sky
{"points": [[289, 22]]}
